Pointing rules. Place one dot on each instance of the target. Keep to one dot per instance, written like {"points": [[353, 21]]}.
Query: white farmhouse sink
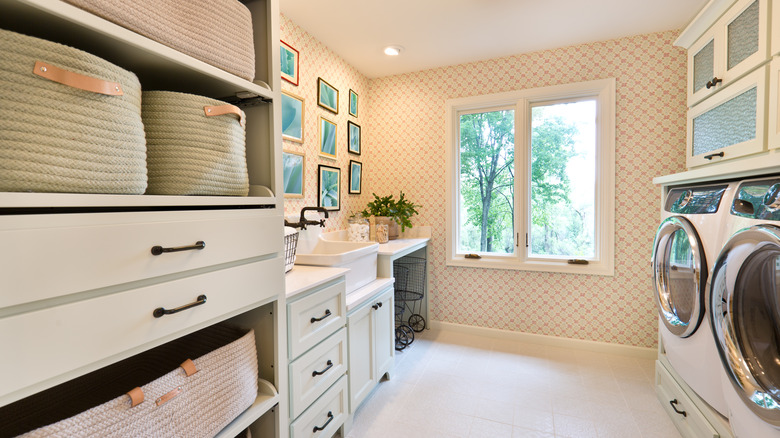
{"points": [[359, 257]]}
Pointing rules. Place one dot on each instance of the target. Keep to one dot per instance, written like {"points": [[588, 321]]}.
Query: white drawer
{"points": [[692, 424], [75, 338], [327, 413], [315, 317], [82, 252], [314, 372]]}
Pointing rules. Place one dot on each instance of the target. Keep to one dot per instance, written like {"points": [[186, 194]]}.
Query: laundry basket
{"points": [[69, 121], [218, 32], [290, 245], [196, 145], [149, 394]]}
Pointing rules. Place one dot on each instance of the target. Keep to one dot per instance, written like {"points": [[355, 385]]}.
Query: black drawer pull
{"points": [[319, 373], [674, 403], [157, 249], [319, 428], [711, 156], [713, 82], [327, 314], [160, 311]]}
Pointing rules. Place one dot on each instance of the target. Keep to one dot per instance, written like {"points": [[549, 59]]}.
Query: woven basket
{"points": [[69, 121], [174, 405], [218, 32], [196, 145]]}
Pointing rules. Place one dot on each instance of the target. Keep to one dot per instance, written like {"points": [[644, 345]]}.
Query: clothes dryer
{"points": [[745, 317], [688, 238]]}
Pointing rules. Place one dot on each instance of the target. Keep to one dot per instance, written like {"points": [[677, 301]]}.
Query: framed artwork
{"points": [[355, 177], [292, 117], [353, 103], [289, 61], [353, 134], [328, 188], [293, 166], [327, 96], [327, 138]]}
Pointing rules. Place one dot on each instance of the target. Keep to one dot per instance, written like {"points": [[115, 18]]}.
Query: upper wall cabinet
{"points": [[730, 48]]}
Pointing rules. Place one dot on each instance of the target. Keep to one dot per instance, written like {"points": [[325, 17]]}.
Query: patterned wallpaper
{"points": [[405, 119]]}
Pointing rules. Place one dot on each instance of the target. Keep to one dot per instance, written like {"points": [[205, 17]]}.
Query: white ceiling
{"points": [[438, 33]]}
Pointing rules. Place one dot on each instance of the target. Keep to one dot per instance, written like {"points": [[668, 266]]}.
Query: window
{"points": [[530, 179]]}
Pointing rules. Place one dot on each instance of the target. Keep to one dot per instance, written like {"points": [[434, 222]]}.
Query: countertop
{"points": [[400, 247], [358, 297], [302, 278]]}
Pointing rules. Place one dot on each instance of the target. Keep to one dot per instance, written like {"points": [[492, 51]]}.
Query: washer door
{"points": [[679, 276], [745, 317]]}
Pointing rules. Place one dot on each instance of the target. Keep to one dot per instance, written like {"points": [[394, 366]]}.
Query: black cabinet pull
{"points": [[713, 82], [379, 304], [319, 373], [160, 311], [375, 307], [327, 314], [319, 428], [711, 156], [674, 403], [157, 249]]}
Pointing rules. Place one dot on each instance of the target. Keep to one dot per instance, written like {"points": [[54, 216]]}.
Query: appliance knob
{"points": [[772, 197], [685, 198]]}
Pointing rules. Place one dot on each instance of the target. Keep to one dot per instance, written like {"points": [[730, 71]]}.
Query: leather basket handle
{"points": [[137, 394], [77, 80], [219, 110]]}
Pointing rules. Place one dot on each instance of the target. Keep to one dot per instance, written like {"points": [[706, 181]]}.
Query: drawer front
{"points": [[691, 425], [315, 371], [315, 317], [325, 416], [85, 252], [79, 337]]}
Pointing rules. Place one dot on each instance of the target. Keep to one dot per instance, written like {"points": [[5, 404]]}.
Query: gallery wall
{"points": [[402, 118]]}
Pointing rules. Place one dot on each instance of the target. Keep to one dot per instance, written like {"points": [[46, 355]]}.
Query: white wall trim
{"points": [[552, 341]]}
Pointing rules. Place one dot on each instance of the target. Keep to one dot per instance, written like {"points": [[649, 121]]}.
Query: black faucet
{"points": [[303, 222]]}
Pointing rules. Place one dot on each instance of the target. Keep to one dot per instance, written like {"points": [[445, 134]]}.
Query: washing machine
{"points": [[688, 239], [745, 316]]}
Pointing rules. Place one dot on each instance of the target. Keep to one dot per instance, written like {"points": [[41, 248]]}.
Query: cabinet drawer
{"points": [[84, 252], [314, 372], [691, 425], [325, 416], [79, 337], [315, 317]]}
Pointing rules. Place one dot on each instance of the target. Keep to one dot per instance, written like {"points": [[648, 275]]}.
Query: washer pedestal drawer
{"points": [[75, 338], [323, 418]]}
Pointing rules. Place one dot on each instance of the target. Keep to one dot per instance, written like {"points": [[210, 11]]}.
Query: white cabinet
{"points": [[371, 346], [773, 118], [731, 47]]}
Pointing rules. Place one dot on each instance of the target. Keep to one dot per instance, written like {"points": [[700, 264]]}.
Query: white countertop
{"points": [[358, 297], [401, 246], [303, 278]]}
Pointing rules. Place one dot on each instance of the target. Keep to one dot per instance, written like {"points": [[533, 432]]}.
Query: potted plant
{"points": [[398, 212]]}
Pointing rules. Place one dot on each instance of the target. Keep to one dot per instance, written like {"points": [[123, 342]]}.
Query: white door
{"points": [[360, 335], [384, 342]]}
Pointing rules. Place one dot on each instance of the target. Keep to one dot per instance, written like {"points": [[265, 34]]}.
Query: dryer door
{"points": [[745, 317], [679, 276]]}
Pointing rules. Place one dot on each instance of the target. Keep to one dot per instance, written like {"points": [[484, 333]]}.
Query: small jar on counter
{"points": [[382, 233], [357, 229]]}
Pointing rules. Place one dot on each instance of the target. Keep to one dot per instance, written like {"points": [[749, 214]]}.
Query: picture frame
{"points": [[289, 60], [355, 177], [293, 114], [328, 134], [329, 187], [327, 96], [353, 138], [293, 172], [353, 103]]}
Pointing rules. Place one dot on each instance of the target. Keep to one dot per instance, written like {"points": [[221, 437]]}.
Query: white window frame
{"points": [[603, 91]]}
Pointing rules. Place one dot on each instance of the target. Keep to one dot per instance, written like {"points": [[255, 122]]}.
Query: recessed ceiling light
{"points": [[393, 50]]}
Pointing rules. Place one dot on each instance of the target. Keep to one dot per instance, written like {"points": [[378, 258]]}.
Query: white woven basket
{"points": [[174, 405], [69, 121], [196, 145], [218, 32]]}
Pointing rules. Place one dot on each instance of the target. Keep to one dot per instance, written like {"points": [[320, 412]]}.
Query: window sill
{"points": [[488, 262]]}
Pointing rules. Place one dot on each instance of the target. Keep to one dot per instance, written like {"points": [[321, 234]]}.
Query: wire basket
{"points": [[290, 244]]}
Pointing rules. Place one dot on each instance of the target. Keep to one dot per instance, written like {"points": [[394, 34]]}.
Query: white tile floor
{"points": [[452, 385]]}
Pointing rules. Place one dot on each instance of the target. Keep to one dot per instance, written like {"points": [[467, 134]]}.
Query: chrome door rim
{"points": [[660, 283], [724, 323]]}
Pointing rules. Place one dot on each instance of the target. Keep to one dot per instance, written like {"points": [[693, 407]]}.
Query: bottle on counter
{"points": [[357, 229]]}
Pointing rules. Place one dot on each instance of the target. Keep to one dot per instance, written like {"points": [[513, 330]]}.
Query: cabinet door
{"points": [[360, 337], [746, 41], [773, 121], [704, 62], [384, 341], [729, 124]]}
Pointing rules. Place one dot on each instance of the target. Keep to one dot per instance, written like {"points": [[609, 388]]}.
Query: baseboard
{"points": [[553, 341]]}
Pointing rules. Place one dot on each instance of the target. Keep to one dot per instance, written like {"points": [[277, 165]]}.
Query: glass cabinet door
{"points": [[773, 131]]}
